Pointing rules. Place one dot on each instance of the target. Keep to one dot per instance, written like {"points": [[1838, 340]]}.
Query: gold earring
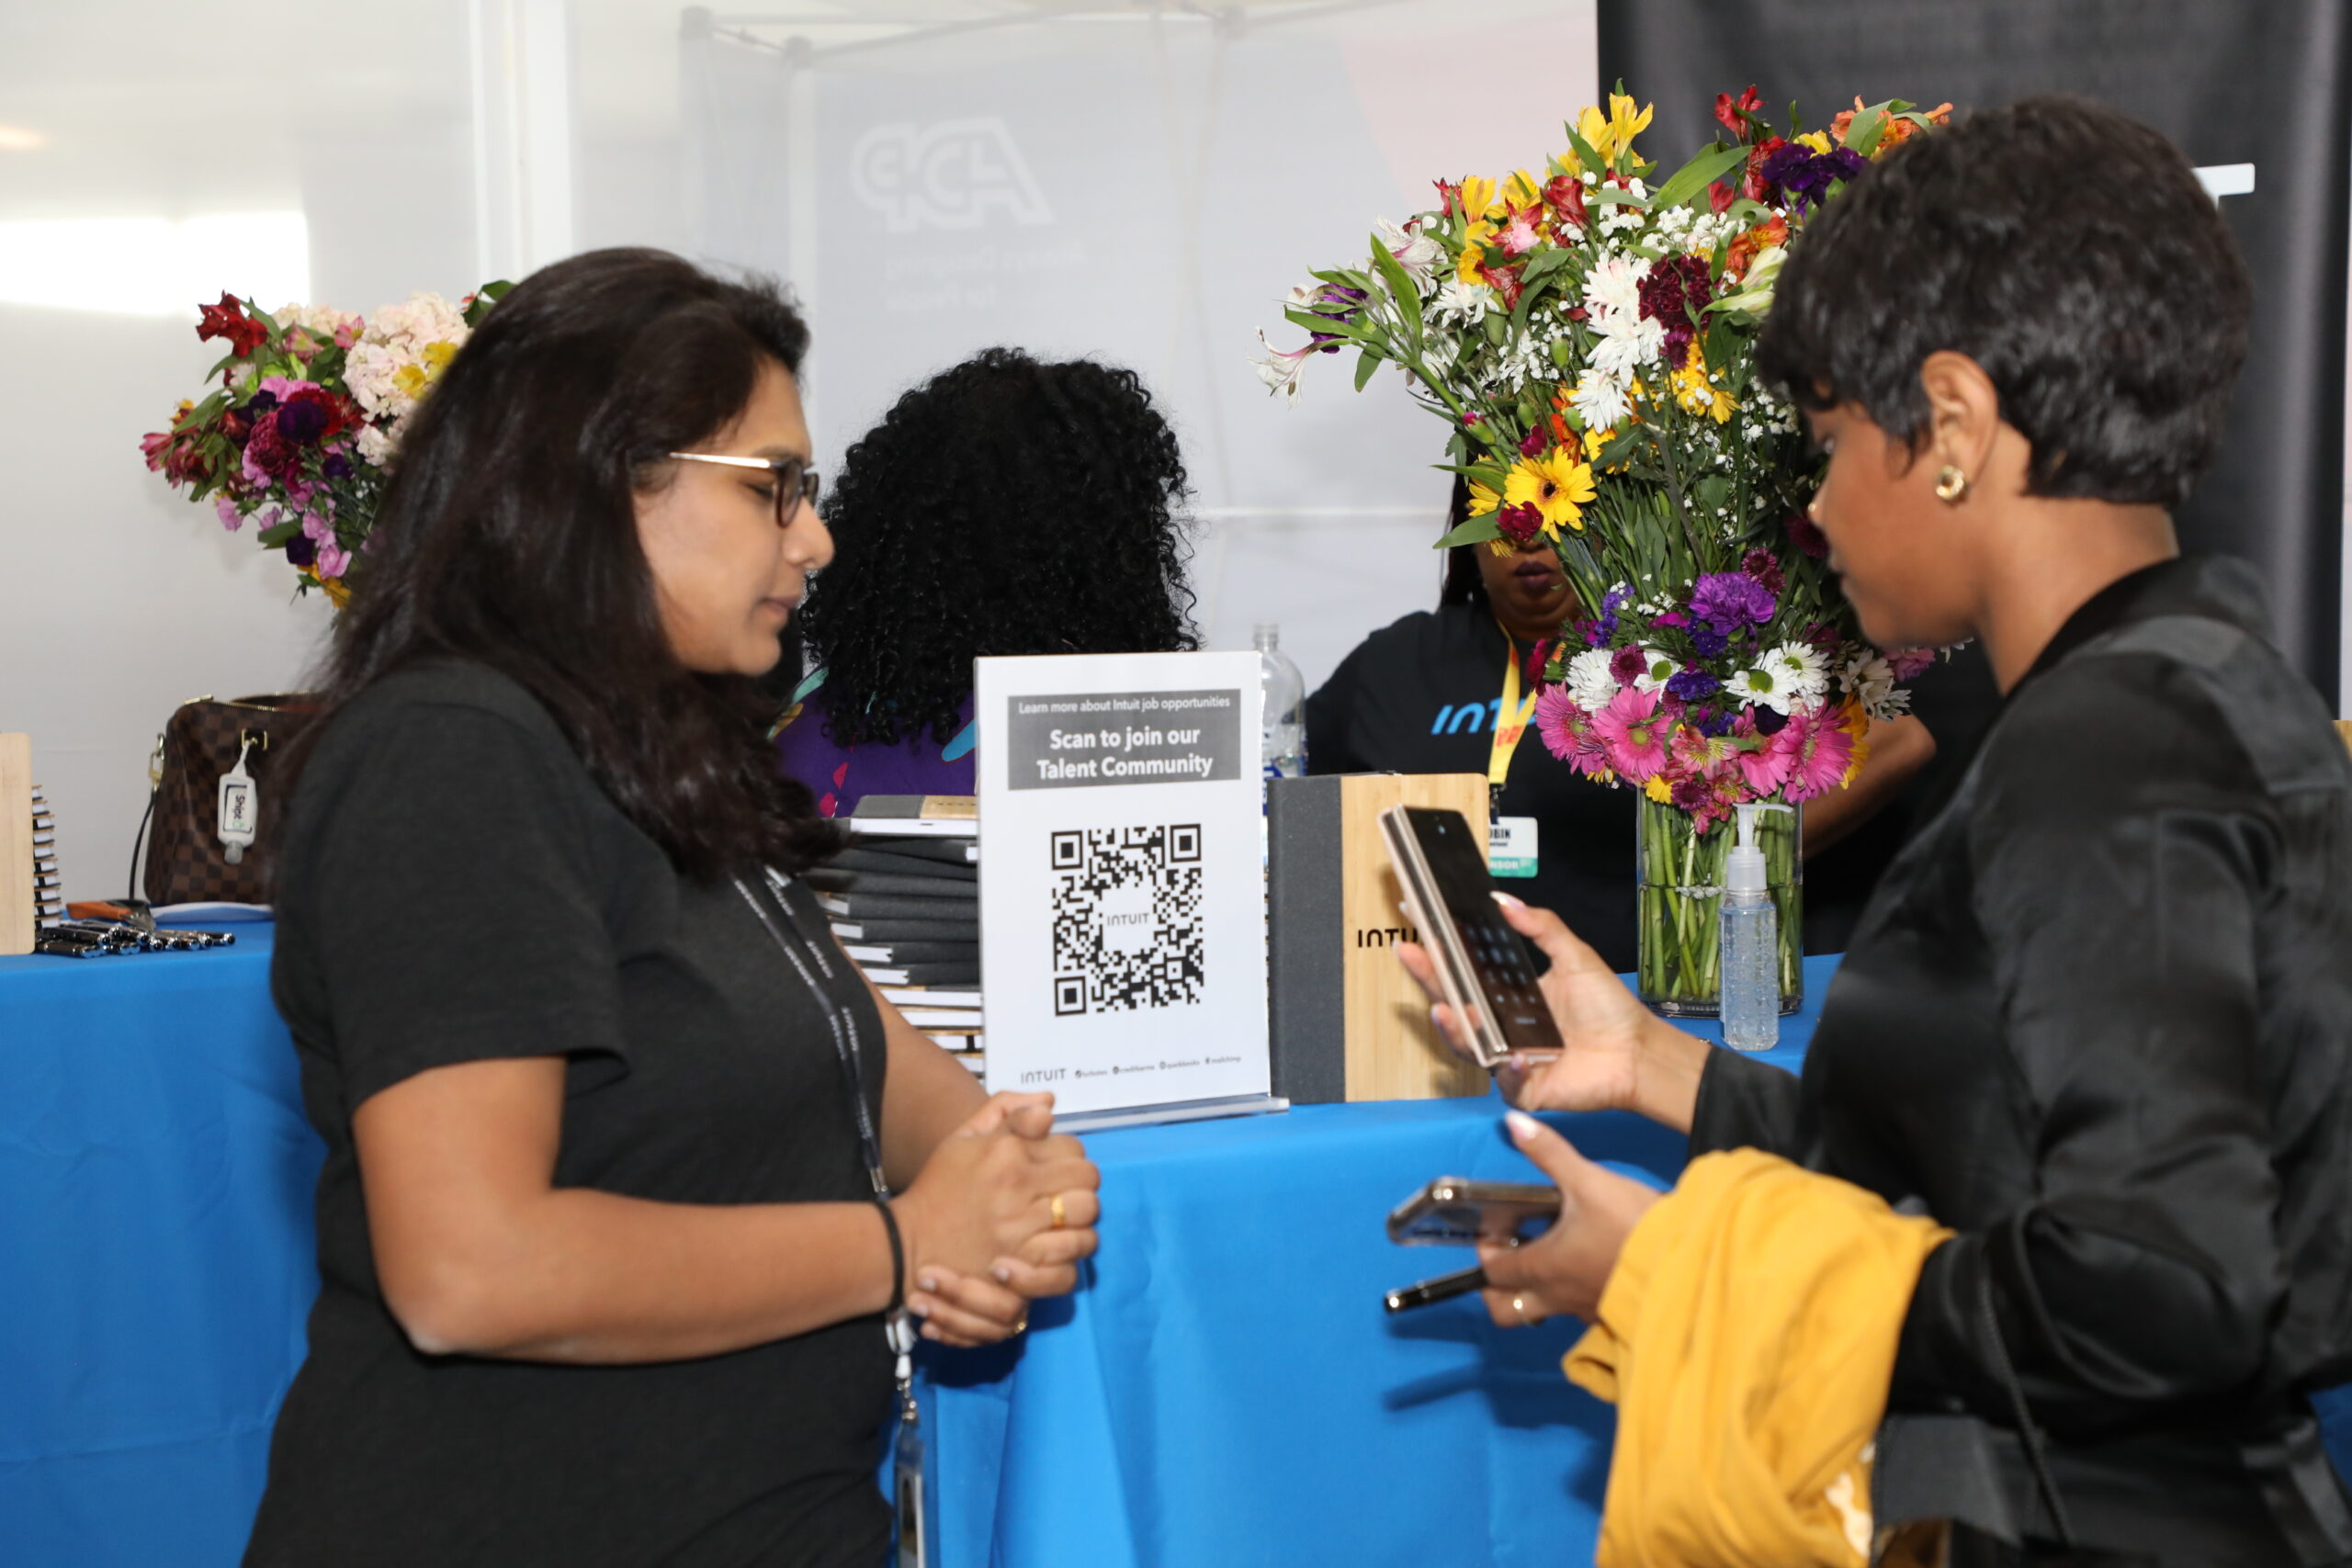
{"points": [[1951, 484]]}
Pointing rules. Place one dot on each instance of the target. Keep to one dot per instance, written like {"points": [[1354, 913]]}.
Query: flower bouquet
{"points": [[1588, 334], [301, 432]]}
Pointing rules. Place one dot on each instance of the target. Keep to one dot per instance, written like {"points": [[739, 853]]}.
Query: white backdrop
{"points": [[1176, 173]]}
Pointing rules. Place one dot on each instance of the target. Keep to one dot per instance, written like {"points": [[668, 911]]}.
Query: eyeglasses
{"points": [[795, 481]]}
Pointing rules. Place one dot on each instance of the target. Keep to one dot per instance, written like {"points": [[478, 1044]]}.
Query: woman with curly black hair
{"points": [[1006, 507]]}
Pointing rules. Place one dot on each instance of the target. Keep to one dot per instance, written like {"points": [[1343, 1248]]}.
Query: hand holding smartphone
{"points": [[1482, 964]]}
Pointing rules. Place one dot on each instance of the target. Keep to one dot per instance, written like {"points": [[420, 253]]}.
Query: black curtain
{"points": [[2229, 81]]}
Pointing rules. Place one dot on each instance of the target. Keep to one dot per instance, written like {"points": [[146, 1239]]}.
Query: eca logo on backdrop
{"points": [[949, 174]]}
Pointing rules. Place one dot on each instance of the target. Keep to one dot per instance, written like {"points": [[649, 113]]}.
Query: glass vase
{"points": [[1680, 872]]}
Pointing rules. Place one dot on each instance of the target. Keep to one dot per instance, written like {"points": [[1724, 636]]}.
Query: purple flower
{"points": [[1728, 600], [1672, 618], [1707, 642], [300, 551], [336, 466], [1801, 173], [1713, 724], [1627, 664], [1690, 792], [1691, 684]]}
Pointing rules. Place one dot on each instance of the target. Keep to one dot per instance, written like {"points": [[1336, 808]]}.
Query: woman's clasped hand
{"points": [[1002, 1215]]}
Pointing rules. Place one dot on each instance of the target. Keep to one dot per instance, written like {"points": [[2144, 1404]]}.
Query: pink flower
{"points": [[1635, 727], [225, 507], [1818, 748], [1520, 236], [1766, 768], [332, 559], [1568, 734], [1909, 663]]}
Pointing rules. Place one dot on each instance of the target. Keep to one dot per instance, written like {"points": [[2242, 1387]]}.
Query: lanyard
{"points": [[808, 959], [839, 1021], [1511, 723]]}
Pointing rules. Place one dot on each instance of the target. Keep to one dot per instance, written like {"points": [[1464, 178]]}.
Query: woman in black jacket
{"points": [[2097, 1016]]}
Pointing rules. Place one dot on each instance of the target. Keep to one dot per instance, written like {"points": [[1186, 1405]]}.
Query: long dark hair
{"points": [[1004, 507], [509, 537], [1462, 585]]}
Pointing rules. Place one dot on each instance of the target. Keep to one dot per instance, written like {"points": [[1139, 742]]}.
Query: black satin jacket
{"points": [[2098, 1019]]}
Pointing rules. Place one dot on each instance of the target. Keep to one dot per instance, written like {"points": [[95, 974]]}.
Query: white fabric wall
{"points": [[1184, 173]]}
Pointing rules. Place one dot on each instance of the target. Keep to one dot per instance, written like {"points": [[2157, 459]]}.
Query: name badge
{"points": [[1510, 846]]}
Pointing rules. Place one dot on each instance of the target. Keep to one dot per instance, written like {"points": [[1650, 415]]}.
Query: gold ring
{"points": [[1518, 1305], [1061, 1219], [1021, 1324]]}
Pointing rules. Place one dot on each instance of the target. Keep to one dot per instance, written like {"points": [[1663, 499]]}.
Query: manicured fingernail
{"points": [[1522, 1126], [926, 1284], [1506, 901], [1003, 1274], [918, 1309], [930, 1331]]}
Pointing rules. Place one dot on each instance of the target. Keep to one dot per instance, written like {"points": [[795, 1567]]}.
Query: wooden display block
{"points": [[1348, 1023], [17, 921]]}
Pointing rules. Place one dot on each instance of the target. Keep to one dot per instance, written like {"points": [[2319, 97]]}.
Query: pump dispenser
{"points": [[1750, 926]]}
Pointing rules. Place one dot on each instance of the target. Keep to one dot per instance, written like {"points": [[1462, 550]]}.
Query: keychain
{"points": [[908, 1450], [238, 804]]}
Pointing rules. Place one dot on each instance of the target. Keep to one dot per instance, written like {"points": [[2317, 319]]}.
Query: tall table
{"points": [[1225, 1388]]}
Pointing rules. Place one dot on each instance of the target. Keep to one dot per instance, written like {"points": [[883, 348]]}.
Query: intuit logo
{"points": [[1470, 718], [951, 175]]}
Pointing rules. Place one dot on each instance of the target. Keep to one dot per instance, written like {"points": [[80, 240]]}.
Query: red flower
{"points": [[1564, 196], [1531, 444], [1806, 538], [1519, 523], [1448, 195], [1752, 182], [1720, 196], [1503, 280], [1765, 568], [227, 320], [1733, 114]]}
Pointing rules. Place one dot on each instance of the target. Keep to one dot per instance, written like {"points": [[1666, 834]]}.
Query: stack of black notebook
{"points": [[905, 900]]}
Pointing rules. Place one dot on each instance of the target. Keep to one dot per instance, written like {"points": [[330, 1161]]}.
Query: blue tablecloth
{"points": [[1229, 1389], [1226, 1389], [156, 1258]]}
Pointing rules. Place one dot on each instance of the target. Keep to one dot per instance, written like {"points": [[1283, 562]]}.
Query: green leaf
{"points": [[1593, 161], [1697, 175], [1400, 288], [1865, 130], [1476, 531], [270, 538], [1498, 329], [1366, 363], [1619, 449], [1615, 196]]}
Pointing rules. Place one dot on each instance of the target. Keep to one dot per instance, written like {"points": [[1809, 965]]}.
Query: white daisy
{"points": [[1785, 678], [1869, 680], [1460, 302], [1590, 681], [1600, 399]]}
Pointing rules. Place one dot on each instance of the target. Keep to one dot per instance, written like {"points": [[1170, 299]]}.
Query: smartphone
{"points": [[1483, 966], [1457, 1211]]}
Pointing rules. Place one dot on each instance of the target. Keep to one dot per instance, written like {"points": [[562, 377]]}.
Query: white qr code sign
{"points": [[1121, 883]]}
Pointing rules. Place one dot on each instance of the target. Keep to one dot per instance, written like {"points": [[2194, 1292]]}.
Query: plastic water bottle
{"points": [[1283, 740], [1750, 933]]}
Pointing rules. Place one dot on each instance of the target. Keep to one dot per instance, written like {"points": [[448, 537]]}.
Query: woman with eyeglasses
{"points": [[628, 1174], [1006, 507]]}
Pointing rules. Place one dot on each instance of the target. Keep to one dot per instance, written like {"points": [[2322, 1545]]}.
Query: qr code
{"points": [[1127, 904]]}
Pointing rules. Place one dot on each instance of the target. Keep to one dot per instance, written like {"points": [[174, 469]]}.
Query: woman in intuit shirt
{"points": [[607, 1242]]}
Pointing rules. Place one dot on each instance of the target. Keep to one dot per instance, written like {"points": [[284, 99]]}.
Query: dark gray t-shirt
{"points": [[455, 888]]}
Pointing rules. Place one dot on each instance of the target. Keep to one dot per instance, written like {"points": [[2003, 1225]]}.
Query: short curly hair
{"points": [[2064, 247], [1006, 507]]}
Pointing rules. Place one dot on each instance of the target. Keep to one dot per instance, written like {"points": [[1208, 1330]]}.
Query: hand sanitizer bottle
{"points": [[1751, 929]]}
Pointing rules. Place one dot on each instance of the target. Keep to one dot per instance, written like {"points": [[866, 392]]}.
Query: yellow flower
{"points": [[1474, 254], [410, 380], [437, 357], [1856, 723], [1696, 393], [1556, 485], [1522, 189], [1817, 141], [1481, 499], [1657, 789], [1478, 196], [1615, 134]]}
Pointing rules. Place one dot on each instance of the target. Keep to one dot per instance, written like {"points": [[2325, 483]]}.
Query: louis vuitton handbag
{"points": [[209, 820]]}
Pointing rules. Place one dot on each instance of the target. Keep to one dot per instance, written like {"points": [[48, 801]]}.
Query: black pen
{"points": [[1444, 1287]]}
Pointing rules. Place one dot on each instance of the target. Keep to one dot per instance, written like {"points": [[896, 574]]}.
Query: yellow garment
{"points": [[1746, 1338]]}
